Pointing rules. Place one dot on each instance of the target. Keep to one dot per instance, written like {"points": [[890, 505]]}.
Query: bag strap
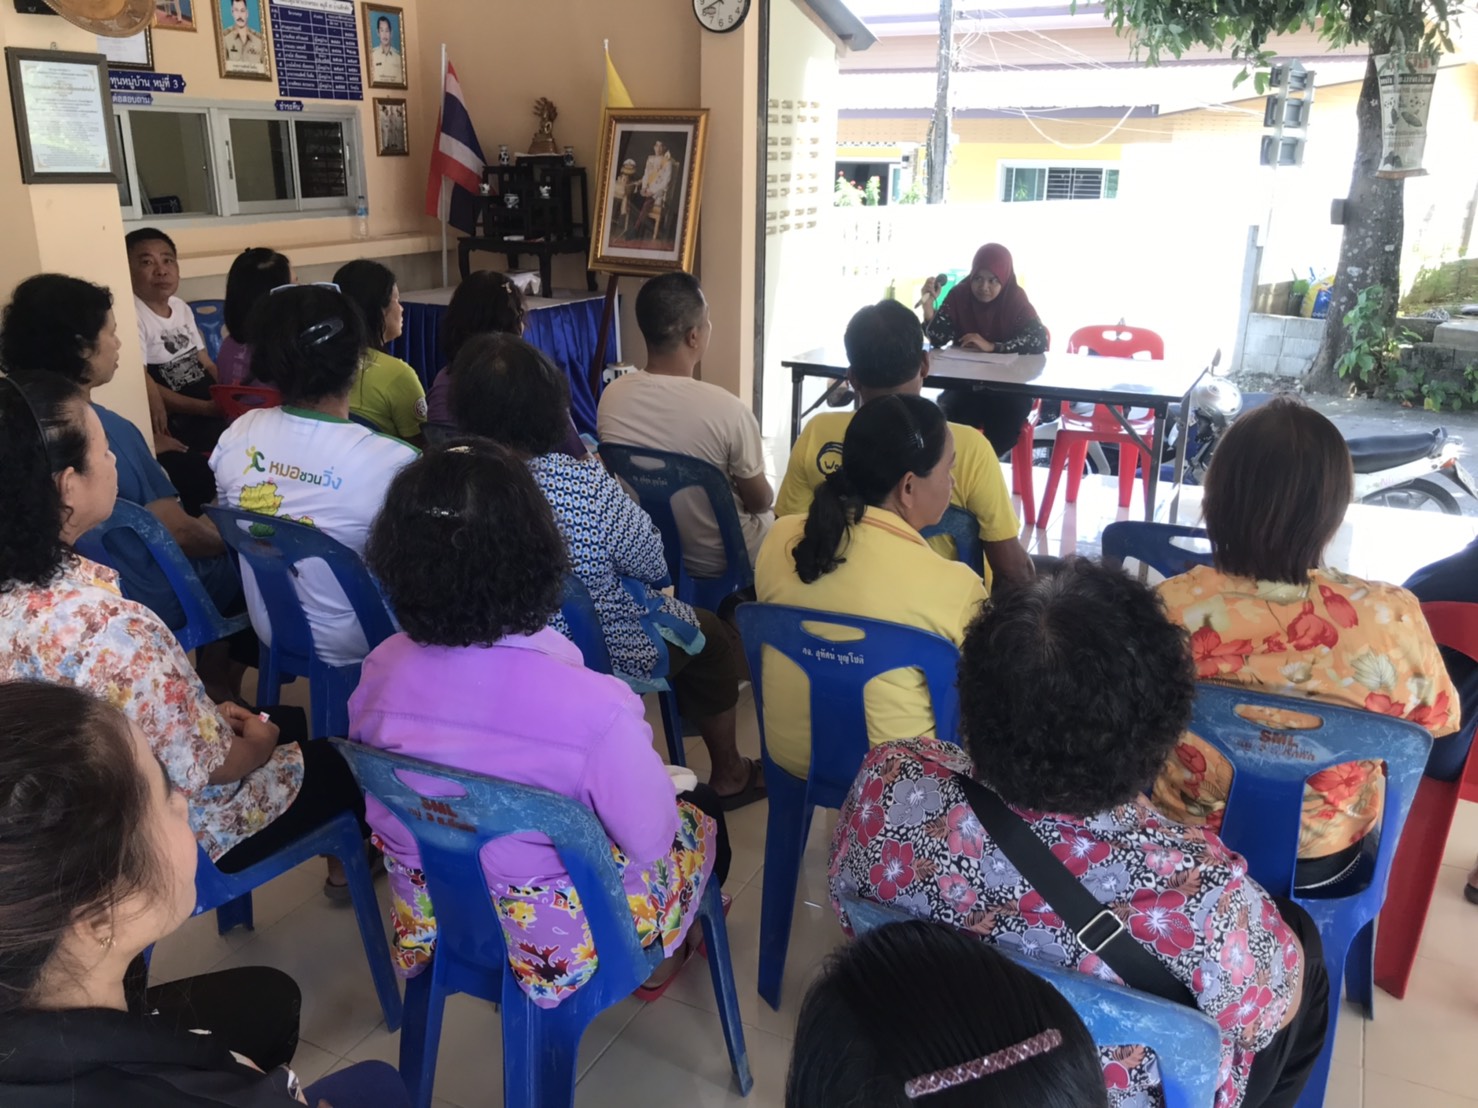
{"points": [[1099, 930]]}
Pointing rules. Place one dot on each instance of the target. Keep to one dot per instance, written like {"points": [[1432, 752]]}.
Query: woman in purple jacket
{"points": [[473, 565]]}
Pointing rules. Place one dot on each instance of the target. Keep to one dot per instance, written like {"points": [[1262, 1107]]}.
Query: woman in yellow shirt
{"points": [[1269, 617], [858, 552], [387, 391]]}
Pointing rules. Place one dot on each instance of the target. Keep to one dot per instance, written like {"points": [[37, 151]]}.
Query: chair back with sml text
{"points": [[964, 529], [1169, 549], [1186, 1042], [203, 620], [272, 548], [656, 476], [1451, 773], [236, 400], [1275, 744], [839, 655], [452, 814]]}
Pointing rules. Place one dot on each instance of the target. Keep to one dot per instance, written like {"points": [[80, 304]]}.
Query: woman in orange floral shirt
{"points": [[1268, 617]]}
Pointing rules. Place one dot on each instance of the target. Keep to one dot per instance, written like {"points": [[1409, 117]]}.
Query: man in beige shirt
{"points": [[386, 65], [663, 407], [245, 48]]}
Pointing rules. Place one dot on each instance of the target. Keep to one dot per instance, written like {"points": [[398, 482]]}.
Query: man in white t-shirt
{"points": [[664, 408], [174, 353]]}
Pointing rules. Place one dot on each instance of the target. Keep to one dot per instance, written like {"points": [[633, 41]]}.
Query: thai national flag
{"points": [[458, 156]]}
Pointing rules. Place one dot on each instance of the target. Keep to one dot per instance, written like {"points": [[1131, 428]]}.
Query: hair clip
{"points": [[936, 1082], [463, 449], [35, 419], [320, 333], [440, 513], [309, 285]]}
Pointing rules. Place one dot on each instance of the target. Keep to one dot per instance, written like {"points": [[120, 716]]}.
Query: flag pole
{"points": [[445, 279]]}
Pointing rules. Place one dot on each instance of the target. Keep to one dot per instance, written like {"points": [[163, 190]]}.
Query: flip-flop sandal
{"points": [[652, 993], [728, 902], [1471, 894], [340, 894], [754, 789]]}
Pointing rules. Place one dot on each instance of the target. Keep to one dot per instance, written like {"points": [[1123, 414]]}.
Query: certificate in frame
{"points": [[63, 116]]}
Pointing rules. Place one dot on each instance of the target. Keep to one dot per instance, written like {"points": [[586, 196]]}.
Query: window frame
{"points": [[1006, 165], [221, 162]]}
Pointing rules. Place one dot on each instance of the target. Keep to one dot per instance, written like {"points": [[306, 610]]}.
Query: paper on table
{"points": [[979, 357]]}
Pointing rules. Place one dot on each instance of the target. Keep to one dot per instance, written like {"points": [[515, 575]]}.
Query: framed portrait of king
{"points": [[648, 190]]}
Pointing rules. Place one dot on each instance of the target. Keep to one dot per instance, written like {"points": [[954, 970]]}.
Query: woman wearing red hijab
{"points": [[989, 311]]}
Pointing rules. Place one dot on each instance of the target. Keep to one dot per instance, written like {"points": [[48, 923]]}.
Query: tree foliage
{"points": [[1243, 27]]}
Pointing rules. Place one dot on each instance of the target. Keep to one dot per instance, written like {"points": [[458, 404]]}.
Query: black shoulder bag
{"points": [[1097, 928]]}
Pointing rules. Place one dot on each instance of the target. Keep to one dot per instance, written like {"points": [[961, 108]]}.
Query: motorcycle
{"points": [[1393, 471]]}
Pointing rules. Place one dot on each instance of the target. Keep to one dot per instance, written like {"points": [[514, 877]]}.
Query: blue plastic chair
{"points": [[203, 620], [964, 528], [229, 896], [656, 476], [585, 632], [365, 421], [1185, 1040], [453, 814], [210, 318], [1154, 545], [837, 672], [1265, 809], [272, 548]]}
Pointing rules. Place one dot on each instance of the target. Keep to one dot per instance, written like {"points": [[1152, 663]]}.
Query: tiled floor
{"points": [[672, 1052]]}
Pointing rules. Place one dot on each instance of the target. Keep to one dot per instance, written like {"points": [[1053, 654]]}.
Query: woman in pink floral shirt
{"points": [[1270, 618], [1073, 690], [63, 619]]}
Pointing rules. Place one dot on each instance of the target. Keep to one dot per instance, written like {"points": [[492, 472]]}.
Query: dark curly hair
{"points": [[1074, 690], [484, 302], [53, 322], [369, 287], [889, 437], [308, 341], [508, 391], [917, 997], [466, 547], [254, 274], [31, 547], [74, 830], [1277, 491]]}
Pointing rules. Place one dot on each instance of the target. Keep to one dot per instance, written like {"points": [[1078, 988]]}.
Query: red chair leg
{"points": [[1021, 473], [1060, 451], [1077, 461], [1414, 873]]}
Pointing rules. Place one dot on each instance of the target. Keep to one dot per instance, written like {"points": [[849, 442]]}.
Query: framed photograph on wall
{"points": [[133, 52], [241, 40], [174, 15], [391, 130], [647, 194], [63, 116], [384, 46]]}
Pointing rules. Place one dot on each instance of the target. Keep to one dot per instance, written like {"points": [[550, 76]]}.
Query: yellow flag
{"points": [[613, 93]]}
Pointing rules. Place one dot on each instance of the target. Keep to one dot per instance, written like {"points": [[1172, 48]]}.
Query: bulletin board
{"points": [[316, 46]]}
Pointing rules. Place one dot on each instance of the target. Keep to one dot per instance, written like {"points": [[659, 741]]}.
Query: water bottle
{"points": [[361, 218]]}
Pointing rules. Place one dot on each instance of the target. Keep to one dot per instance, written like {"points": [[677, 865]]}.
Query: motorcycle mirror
{"points": [[1215, 360]]}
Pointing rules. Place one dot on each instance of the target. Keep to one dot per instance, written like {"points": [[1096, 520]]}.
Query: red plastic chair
{"points": [[1419, 854], [236, 400], [1021, 465], [1075, 432]]}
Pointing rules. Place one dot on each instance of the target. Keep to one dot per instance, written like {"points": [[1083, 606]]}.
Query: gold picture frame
{"points": [[392, 127], [174, 15], [245, 53], [648, 191], [388, 68]]}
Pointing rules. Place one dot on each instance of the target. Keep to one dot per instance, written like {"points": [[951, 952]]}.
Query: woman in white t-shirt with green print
{"points": [[307, 461]]}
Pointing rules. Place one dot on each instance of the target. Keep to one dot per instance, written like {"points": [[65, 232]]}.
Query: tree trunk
{"points": [[936, 149], [1370, 251]]}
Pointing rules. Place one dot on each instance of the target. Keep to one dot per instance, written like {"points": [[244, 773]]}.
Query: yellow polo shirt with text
{"points": [[890, 573], [980, 487], [388, 393]]}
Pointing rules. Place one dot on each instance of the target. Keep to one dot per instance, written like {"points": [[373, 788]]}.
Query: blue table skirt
{"points": [[566, 332]]}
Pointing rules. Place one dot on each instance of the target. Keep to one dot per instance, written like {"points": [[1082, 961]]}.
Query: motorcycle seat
{"points": [[1373, 453]]}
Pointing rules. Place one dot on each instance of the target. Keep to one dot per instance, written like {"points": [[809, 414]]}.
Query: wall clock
{"points": [[720, 16]]}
